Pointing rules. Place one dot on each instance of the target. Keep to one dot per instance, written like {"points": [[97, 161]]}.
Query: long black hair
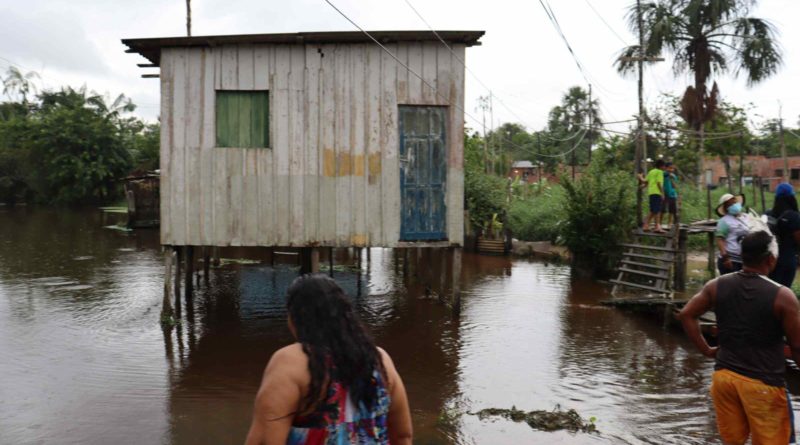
{"points": [[783, 203], [338, 347]]}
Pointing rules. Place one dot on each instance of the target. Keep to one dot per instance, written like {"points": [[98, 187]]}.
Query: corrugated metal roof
{"points": [[150, 48], [522, 164]]}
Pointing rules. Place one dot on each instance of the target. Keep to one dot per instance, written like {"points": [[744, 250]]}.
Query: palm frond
{"points": [[759, 54]]}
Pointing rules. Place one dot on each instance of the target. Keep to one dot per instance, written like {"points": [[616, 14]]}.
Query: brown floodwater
{"points": [[84, 360]]}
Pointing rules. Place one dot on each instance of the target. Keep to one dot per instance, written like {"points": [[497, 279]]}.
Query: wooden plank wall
{"points": [[331, 174]]}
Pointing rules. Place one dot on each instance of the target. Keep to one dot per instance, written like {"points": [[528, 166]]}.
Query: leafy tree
{"points": [[567, 127], [707, 38], [484, 194], [76, 137], [599, 213]]}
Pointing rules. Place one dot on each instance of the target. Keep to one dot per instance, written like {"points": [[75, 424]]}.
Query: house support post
{"points": [[177, 250], [189, 260], [455, 299], [680, 264], [442, 253], [309, 260], [167, 313], [206, 264]]}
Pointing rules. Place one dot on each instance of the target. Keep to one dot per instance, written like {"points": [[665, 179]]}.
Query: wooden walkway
{"points": [[647, 264]]}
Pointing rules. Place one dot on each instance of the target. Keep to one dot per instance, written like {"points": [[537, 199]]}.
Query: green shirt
{"points": [[655, 177]]}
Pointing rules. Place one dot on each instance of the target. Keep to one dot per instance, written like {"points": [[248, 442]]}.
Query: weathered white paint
{"points": [[331, 174]]}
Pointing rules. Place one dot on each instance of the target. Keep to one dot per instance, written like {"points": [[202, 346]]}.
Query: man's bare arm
{"points": [[787, 309], [690, 314]]}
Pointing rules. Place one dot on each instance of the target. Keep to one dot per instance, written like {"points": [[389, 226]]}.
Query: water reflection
{"points": [[87, 362]]}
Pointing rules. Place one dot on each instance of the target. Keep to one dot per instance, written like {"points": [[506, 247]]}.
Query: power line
{"points": [[554, 22], [426, 83], [606, 23]]}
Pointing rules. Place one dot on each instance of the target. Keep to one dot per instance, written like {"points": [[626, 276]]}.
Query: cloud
{"points": [[53, 39]]}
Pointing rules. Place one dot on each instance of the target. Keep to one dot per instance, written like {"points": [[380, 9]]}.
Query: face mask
{"points": [[735, 209]]}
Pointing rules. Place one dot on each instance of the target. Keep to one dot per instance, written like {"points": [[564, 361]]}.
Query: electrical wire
{"points": [[606, 23], [425, 82]]}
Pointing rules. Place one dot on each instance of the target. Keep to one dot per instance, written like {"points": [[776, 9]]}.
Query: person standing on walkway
{"points": [[787, 229], [731, 228], [333, 385], [655, 192], [670, 195], [754, 314]]}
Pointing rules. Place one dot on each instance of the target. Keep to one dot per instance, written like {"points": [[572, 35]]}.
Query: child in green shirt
{"points": [[655, 192]]}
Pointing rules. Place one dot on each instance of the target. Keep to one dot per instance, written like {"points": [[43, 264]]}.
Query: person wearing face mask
{"points": [[731, 228]]}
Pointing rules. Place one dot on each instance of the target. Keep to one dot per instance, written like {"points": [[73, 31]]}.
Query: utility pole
{"points": [[785, 175], [189, 18], [591, 124], [483, 104], [641, 141], [741, 163], [494, 130]]}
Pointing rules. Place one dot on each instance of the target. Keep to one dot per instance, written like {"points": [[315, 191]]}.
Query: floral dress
{"points": [[338, 421]]}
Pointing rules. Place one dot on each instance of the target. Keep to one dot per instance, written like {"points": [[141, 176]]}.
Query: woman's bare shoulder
{"points": [[290, 358]]}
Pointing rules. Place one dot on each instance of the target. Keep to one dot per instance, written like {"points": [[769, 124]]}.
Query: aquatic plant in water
{"points": [[554, 420]]}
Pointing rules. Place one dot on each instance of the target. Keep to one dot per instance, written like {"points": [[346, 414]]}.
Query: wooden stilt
{"points": [[215, 255], [305, 260], [189, 273], [455, 300], [679, 279], [314, 260], [167, 313], [330, 262], [405, 263], [427, 273], [442, 273], [177, 283], [206, 264]]}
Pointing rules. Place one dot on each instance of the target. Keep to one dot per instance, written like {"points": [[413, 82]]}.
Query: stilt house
{"points": [[311, 139]]}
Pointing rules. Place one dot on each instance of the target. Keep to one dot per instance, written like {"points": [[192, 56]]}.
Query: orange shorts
{"points": [[747, 407]]}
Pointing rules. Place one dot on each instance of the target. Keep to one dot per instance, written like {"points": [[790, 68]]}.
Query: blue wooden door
{"points": [[423, 173]]}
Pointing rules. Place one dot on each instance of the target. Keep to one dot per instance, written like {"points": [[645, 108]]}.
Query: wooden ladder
{"points": [[647, 264]]}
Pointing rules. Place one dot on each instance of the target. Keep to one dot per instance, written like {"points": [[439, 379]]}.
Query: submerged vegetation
{"points": [[554, 420]]}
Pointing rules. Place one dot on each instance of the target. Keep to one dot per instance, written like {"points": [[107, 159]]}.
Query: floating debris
{"points": [[83, 258], [555, 420], [243, 261], [114, 209], [119, 228], [59, 283], [76, 287]]}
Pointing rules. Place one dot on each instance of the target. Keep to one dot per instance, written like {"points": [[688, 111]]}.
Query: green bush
{"points": [[600, 214], [537, 218]]}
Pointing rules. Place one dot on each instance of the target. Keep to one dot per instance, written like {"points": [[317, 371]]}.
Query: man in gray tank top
{"points": [[753, 315]]}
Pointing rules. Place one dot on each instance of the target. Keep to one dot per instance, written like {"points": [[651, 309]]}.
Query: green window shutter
{"points": [[242, 119]]}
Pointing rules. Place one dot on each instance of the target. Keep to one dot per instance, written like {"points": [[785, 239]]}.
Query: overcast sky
{"points": [[522, 59]]}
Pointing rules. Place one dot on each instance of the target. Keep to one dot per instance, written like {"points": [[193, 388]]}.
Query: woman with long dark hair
{"points": [[787, 231], [333, 386]]}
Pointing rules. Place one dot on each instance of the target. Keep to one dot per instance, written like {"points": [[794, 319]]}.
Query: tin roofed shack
{"points": [[311, 139]]}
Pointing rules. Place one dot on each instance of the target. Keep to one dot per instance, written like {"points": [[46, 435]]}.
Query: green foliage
{"points": [[69, 146], [600, 213], [485, 194], [537, 217]]}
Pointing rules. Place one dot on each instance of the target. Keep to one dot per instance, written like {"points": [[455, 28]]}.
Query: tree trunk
{"points": [[726, 161]]}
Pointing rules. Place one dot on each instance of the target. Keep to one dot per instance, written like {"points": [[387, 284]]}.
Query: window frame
{"points": [[253, 93]]}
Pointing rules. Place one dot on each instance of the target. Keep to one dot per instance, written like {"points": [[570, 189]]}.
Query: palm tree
{"points": [[17, 83], [576, 112], [706, 38]]}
